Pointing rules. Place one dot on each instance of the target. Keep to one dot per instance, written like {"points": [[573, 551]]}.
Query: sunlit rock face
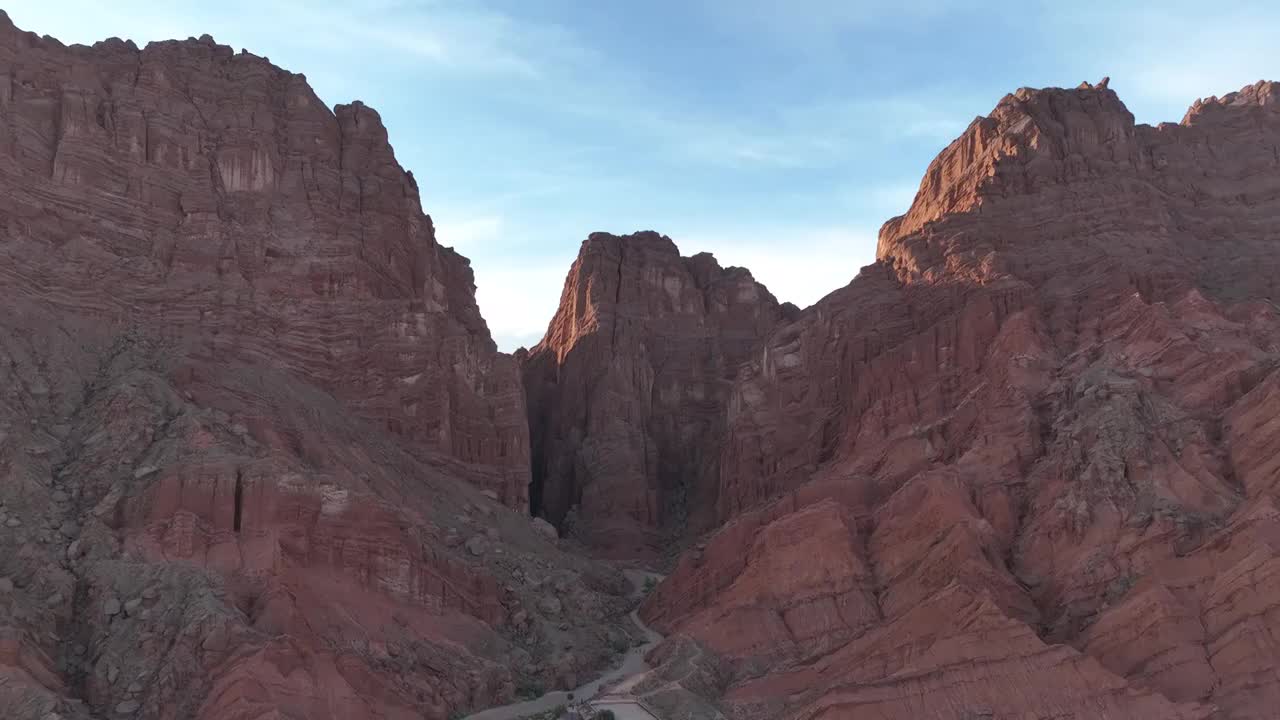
{"points": [[1025, 464], [627, 391]]}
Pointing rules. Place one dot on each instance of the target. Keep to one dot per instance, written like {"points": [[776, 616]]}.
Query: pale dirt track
{"points": [[632, 664]]}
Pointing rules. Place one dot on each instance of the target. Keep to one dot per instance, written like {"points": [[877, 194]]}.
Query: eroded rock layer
{"points": [[1025, 464], [259, 458], [211, 193], [627, 391]]}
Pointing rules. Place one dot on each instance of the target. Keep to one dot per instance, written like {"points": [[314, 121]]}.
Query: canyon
{"points": [[260, 457]]}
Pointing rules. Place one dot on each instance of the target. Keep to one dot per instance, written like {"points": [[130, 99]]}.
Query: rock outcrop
{"points": [[259, 457], [1024, 464], [189, 187], [627, 390]]}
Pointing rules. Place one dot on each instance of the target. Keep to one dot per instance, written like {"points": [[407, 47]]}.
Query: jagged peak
{"points": [[362, 118], [655, 241], [204, 45], [649, 239], [1039, 127], [1262, 94], [115, 44], [1037, 137], [645, 268], [703, 265]]}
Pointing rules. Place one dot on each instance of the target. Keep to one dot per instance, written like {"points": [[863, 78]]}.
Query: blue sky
{"points": [[777, 135]]}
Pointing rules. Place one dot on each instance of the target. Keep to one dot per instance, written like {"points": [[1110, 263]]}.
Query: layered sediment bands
{"points": [[186, 539], [627, 390], [258, 455], [211, 193], [1043, 416]]}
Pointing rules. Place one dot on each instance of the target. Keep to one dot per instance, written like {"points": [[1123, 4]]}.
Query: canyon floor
{"points": [[610, 688]]}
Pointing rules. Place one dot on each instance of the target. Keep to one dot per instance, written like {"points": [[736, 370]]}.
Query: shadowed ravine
{"points": [[632, 664]]}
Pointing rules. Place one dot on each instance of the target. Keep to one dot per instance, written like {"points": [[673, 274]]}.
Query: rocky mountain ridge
{"points": [[1019, 466], [259, 457]]}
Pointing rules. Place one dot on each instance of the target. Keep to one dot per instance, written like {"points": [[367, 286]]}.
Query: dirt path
{"points": [[625, 709], [632, 664]]}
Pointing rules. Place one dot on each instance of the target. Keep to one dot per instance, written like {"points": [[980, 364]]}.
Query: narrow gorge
{"points": [[260, 457]]}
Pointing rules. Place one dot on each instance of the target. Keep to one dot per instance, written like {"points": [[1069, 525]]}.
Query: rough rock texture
{"points": [[627, 390], [1024, 465], [685, 676], [250, 417], [213, 194]]}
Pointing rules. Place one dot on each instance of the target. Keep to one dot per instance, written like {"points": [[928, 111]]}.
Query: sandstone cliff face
{"points": [[1024, 465], [258, 455], [626, 393], [213, 194]]}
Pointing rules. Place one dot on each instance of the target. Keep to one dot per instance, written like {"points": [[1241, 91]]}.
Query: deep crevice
{"points": [[617, 296], [239, 500], [537, 475]]}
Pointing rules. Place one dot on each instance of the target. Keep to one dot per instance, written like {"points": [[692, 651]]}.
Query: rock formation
{"points": [[259, 457], [1025, 464], [213, 194], [627, 390]]}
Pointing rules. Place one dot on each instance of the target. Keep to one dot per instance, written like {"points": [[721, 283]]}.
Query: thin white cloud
{"points": [[446, 35], [761, 148], [806, 136], [450, 35], [816, 25]]}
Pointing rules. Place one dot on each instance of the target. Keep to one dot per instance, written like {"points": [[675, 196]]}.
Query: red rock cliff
{"points": [[1021, 466], [212, 193], [245, 402], [626, 393]]}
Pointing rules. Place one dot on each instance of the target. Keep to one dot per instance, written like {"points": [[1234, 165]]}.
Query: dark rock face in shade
{"points": [[628, 389]]}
